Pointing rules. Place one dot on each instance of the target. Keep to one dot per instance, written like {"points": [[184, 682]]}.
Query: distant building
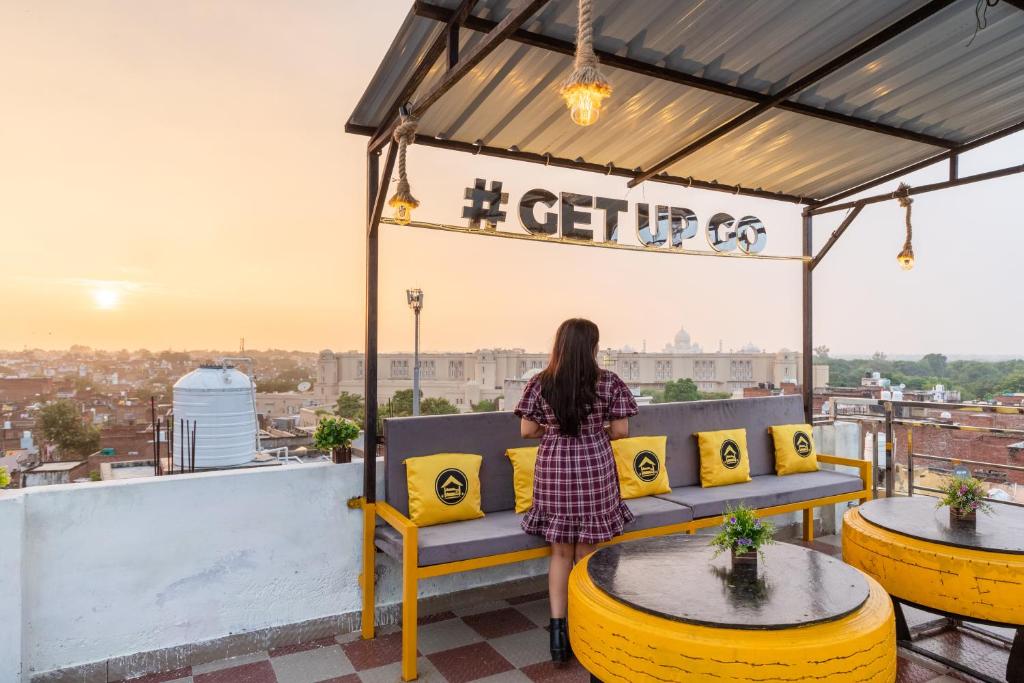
{"points": [[467, 378], [49, 473]]}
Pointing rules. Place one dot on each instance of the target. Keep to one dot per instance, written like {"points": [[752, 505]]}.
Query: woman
{"points": [[576, 502]]}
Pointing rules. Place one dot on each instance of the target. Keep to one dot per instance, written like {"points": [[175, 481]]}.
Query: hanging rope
{"points": [[906, 255], [980, 17], [586, 87], [402, 201]]}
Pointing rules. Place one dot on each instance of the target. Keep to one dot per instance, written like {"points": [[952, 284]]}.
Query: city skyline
{"points": [[207, 191]]}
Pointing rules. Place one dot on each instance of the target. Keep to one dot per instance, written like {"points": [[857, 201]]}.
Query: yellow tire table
{"points": [[977, 574], [663, 609]]}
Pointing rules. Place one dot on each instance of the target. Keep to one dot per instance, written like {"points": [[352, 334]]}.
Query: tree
{"points": [[61, 424], [437, 406], [401, 405], [937, 362], [351, 406], [485, 405], [681, 390], [821, 351]]}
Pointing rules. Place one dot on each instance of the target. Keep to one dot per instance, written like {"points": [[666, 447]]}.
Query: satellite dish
{"points": [[305, 386]]}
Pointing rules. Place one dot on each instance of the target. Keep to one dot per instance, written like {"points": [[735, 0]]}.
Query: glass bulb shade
{"points": [[906, 258], [403, 213], [584, 102]]}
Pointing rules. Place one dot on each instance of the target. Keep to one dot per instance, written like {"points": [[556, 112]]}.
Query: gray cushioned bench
{"points": [[497, 537]]}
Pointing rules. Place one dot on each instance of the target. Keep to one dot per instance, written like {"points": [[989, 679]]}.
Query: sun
{"points": [[105, 298]]}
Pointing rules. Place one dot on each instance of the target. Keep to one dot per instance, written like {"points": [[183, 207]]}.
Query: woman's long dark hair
{"points": [[569, 382]]}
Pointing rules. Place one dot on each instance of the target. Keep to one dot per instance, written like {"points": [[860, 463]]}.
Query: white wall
{"points": [[122, 567], [12, 528]]}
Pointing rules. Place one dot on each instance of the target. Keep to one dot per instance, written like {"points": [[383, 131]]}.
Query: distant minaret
{"points": [[241, 345], [645, 346], [719, 345]]}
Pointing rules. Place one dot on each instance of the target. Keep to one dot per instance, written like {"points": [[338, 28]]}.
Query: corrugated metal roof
{"points": [[926, 80]]}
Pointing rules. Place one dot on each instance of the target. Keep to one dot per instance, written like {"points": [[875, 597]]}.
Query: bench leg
{"points": [[410, 590], [367, 578], [809, 524]]}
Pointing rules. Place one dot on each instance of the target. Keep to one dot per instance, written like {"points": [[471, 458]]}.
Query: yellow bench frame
{"points": [[412, 572]]}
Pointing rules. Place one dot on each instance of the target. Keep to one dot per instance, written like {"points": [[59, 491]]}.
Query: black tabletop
{"points": [[676, 578], [918, 517]]}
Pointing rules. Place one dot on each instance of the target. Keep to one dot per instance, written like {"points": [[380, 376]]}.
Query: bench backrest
{"points": [[490, 434]]}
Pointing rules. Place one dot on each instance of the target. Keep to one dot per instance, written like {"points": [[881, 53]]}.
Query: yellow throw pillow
{"points": [[640, 461], [794, 449], [723, 457], [443, 488], [523, 459]]}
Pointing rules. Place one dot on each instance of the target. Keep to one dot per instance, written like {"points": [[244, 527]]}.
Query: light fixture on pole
{"points": [[585, 88], [402, 201], [414, 297], [906, 256]]}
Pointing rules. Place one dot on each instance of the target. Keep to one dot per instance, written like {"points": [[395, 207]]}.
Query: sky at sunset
{"points": [[176, 175]]}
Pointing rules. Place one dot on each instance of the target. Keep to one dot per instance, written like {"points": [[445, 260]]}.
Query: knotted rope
{"points": [[586, 75], [906, 255], [905, 200], [405, 134]]}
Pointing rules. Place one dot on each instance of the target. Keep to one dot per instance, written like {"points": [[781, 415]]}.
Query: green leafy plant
{"points": [[743, 532], [5, 479], [965, 495], [334, 432]]}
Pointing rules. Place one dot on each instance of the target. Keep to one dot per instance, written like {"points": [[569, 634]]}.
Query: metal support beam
{"points": [[808, 321], [954, 167], [383, 132], [561, 162], [376, 186], [836, 235], [516, 17], [966, 147], [920, 189], [614, 61], [453, 44], [855, 53]]}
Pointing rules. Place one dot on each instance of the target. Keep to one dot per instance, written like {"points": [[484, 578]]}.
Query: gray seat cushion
{"points": [[499, 532], [651, 511], [492, 534], [764, 491]]}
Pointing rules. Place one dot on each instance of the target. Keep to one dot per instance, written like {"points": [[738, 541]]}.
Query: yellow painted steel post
{"points": [[808, 524], [367, 578], [410, 562]]}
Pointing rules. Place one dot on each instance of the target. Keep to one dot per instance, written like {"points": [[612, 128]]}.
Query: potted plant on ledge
{"points": [[965, 496], [743, 535], [335, 434]]}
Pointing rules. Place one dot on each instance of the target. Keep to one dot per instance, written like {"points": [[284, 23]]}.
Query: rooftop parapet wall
{"points": [[96, 573]]}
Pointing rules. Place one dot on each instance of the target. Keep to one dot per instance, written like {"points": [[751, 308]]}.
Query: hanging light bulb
{"points": [[906, 256], [402, 201], [585, 89]]}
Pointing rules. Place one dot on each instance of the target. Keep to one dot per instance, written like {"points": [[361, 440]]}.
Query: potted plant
{"points": [[743, 535], [335, 434], [5, 479], [964, 496]]}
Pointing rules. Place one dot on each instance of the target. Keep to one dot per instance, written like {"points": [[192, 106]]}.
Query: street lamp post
{"points": [[415, 300]]}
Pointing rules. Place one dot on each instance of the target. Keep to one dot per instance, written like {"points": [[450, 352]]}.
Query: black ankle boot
{"points": [[559, 641]]}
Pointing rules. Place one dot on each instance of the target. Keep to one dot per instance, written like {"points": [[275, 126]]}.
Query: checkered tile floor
{"points": [[501, 641]]}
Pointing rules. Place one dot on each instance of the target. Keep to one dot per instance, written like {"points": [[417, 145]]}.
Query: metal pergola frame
{"points": [[510, 29]]}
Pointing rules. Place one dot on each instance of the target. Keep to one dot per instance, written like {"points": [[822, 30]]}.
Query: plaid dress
{"points": [[575, 484]]}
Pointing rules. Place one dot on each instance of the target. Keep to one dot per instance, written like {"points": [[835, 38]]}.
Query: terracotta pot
{"points": [[958, 518], [341, 454]]}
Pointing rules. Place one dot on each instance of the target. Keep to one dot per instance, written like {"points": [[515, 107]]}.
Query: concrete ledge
{"points": [[118, 669]]}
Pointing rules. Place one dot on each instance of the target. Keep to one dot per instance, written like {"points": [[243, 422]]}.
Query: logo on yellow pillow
{"points": [[451, 486], [730, 453], [646, 466], [802, 444]]}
